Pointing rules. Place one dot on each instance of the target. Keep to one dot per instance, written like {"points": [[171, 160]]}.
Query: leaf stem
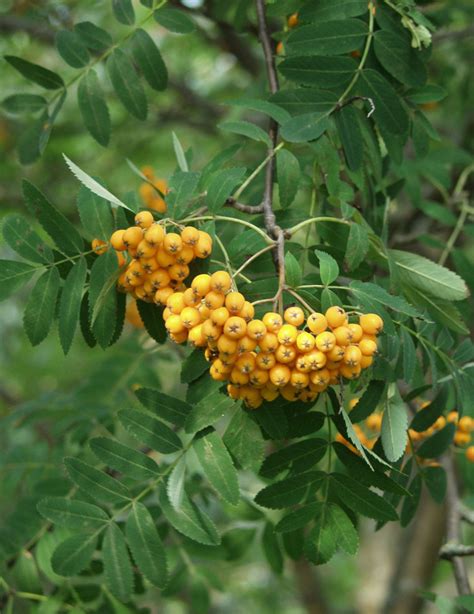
{"points": [[233, 220]]}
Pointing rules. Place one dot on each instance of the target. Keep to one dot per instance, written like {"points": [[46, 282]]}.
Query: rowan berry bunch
{"points": [[294, 356], [156, 262], [153, 190]]}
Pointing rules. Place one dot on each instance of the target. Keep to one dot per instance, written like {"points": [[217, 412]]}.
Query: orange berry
{"points": [[366, 361], [265, 360], [280, 375], [374, 422], [256, 329], [132, 236], [233, 391], [247, 312], [190, 236], [228, 346], [175, 303], [352, 355], [159, 278], [162, 295], [181, 337], [337, 353], [305, 342], [453, 416], [357, 332], [367, 347], [336, 316], [317, 323], [280, 48], [371, 323], [343, 335], [273, 321], [234, 302], [269, 343], [116, 240], [259, 378], [251, 397], [178, 272], [145, 250], [172, 243], [287, 334], [466, 424], [299, 380], [219, 316], [190, 317], [285, 354], [221, 281], [302, 364], [470, 454], [294, 315], [461, 439], [201, 284], [191, 299], [203, 247], [246, 363], [214, 300], [235, 327], [292, 20], [155, 234], [174, 324], [350, 372], [239, 378], [289, 392], [246, 345], [269, 395], [325, 341], [210, 331], [316, 359], [185, 256], [144, 219]]}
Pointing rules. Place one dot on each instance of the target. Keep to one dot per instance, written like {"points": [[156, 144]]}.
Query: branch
{"points": [[252, 209], [453, 528], [466, 514], [449, 551]]}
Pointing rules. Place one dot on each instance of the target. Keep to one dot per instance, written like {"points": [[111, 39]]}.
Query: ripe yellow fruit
{"points": [[465, 424], [203, 247], [246, 345], [285, 354], [265, 360], [234, 302], [154, 234], [214, 300], [201, 284], [269, 343], [246, 363], [219, 316], [366, 361], [256, 329], [343, 335], [221, 281], [336, 354], [132, 236], [159, 278], [294, 315], [316, 359], [352, 356], [461, 439], [174, 324], [317, 323], [273, 321], [280, 375], [453, 416], [336, 316], [325, 341], [190, 236], [117, 242], [190, 317], [287, 334], [144, 219], [228, 346], [292, 21], [374, 422], [357, 332], [470, 454], [305, 342], [195, 336], [367, 347], [145, 250], [371, 323], [172, 243], [247, 312], [235, 327]]}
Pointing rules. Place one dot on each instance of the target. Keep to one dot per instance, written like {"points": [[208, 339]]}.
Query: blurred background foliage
{"points": [[53, 402]]}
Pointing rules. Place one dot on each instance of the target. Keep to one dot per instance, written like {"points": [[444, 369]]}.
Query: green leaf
{"points": [[436, 482], [298, 101], [410, 504], [301, 455], [244, 440], [377, 294], [96, 215], [346, 536], [431, 92], [394, 428], [299, 518], [221, 186], [152, 318], [58, 227], [307, 127], [174, 21], [92, 36], [425, 417], [327, 10], [21, 237], [218, 466], [93, 185], [164, 406], [368, 401], [73, 514], [70, 304], [334, 37], [273, 420], [437, 443], [190, 520], [208, 411], [429, 277], [292, 270], [175, 484], [193, 366], [353, 436], [19, 104], [74, 554], [150, 431], [348, 127], [288, 176], [320, 545], [148, 57], [441, 311], [262, 106], [71, 48], [117, 566], [124, 12], [399, 58], [328, 267], [95, 483], [179, 153], [318, 71], [13, 275], [357, 245], [389, 113], [360, 499], [126, 84], [93, 108], [147, 549], [124, 459], [290, 491], [33, 72], [271, 548], [409, 356], [41, 305], [103, 297], [182, 188], [247, 129]]}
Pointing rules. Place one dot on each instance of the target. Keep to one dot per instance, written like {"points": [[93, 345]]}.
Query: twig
{"points": [[449, 551], [466, 514], [268, 214], [453, 527], [231, 202]]}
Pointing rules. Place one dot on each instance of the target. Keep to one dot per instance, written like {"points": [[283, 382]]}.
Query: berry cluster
{"points": [[158, 262], [294, 356], [369, 432], [150, 191]]}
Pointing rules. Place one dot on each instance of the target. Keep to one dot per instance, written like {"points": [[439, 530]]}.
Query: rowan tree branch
{"points": [[453, 529], [267, 204], [449, 551], [251, 209]]}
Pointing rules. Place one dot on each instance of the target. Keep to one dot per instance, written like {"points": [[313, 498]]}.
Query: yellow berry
{"points": [[174, 324], [343, 335], [195, 336], [285, 354], [164, 259], [325, 341], [350, 372], [190, 236], [273, 321], [269, 395], [371, 323], [221, 281], [292, 20], [117, 242], [280, 375], [234, 302], [132, 236], [159, 278], [203, 247], [246, 363], [175, 303], [305, 342], [256, 329], [466, 424], [461, 439], [357, 332], [246, 345], [268, 343], [352, 355], [154, 234], [201, 284], [316, 359], [190, 317], [287, 334], [214, 299], [317, 323], [299, 380], [172, 243], [366, 361], [144, 219], [265, 360], [336, 316], [367, 347], [219, 316], [185, 256], [336, 354], [294, 315], [235, 327], [470, 454]]}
